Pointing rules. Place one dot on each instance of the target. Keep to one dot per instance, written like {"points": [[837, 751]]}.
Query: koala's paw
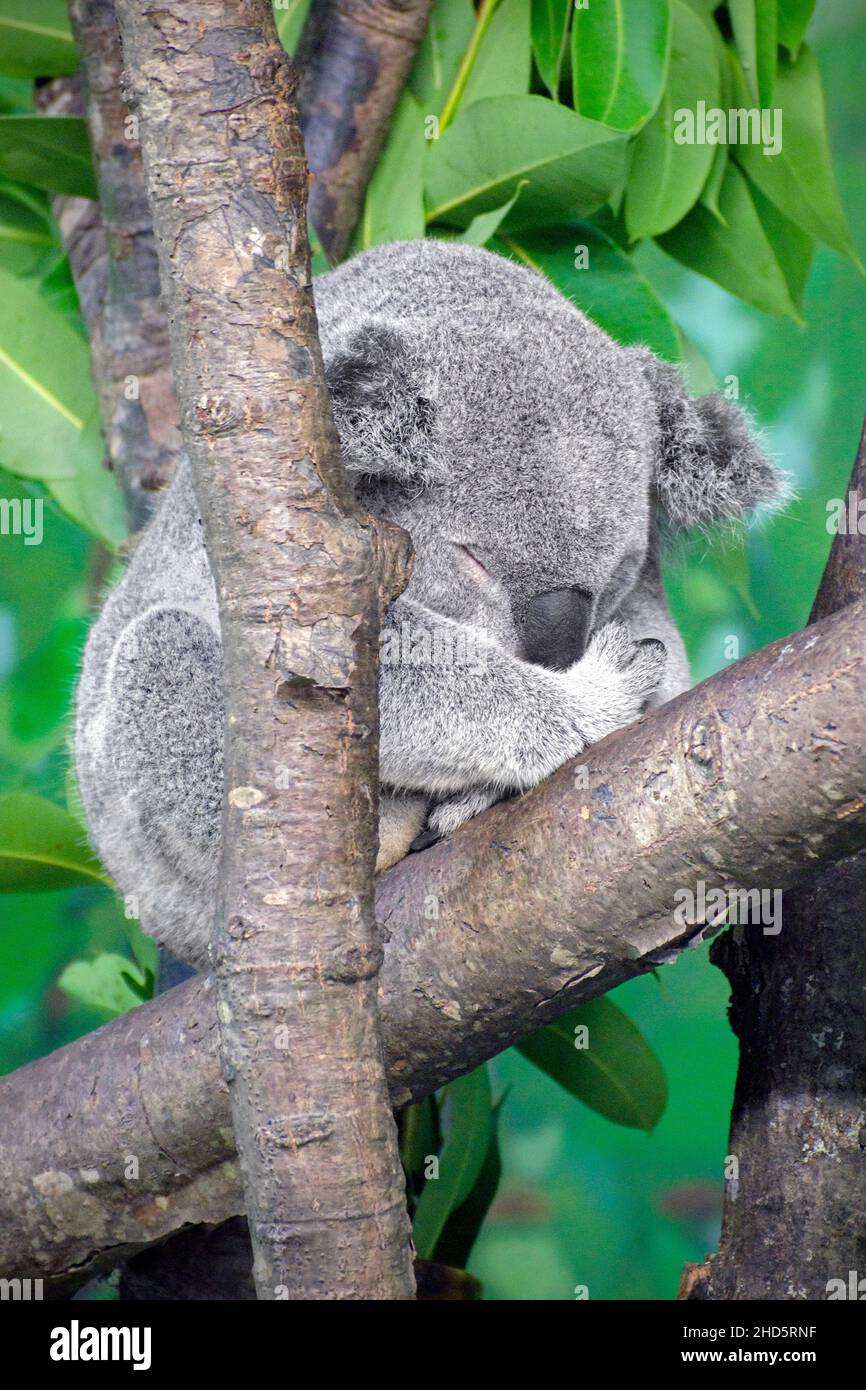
{"points": [[618, 676]]}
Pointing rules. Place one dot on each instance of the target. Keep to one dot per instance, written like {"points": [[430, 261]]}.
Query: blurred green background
{"points": [[582, 1201]]}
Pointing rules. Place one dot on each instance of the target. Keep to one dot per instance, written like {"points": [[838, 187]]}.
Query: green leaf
{"points": [[394, 205], [109, 982], [610, 289], [469, 1116], [794, 16], [619, 60], [666, 177], [35, 39], [549, 37], [571, 165], [504, 61], [793, 249], [737, 255], [755, 33], [50, 152], [799, 179], [290, 17], [92, 496], [45, 396], [463, 1226], [446, 40], [618, 1074], [486, 224], [42, 848], [712, 189], [25, 233]]}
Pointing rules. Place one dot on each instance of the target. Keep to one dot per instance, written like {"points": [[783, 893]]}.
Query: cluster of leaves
{"points": [[540, 127]]}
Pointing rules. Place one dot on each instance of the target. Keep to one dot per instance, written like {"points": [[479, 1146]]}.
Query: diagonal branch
{"points": [[755, 778], [296, 566]]}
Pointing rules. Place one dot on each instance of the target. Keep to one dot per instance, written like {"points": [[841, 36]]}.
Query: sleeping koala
{"points": [[530, 458]]}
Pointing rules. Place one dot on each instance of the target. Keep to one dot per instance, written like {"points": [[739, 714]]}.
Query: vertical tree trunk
{"points": [[296, 951], [795, 1209]]}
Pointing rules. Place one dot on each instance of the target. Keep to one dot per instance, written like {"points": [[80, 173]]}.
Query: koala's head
{"points": [[526, 453]]}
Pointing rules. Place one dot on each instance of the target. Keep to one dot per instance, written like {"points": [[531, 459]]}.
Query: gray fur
{"points": [[482, 412]]}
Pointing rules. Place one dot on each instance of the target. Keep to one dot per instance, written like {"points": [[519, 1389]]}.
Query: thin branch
{"points": [[753, 779], [355, 57], [295, 946]]}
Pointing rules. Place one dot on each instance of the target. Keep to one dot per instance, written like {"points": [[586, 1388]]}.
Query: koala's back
{"points": [[149, 727]]}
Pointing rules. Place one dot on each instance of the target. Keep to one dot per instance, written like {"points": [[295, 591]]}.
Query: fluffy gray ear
{"points": [[709, 465], [383, 417]]}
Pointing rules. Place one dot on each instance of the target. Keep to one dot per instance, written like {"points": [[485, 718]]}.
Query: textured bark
{"points": [[355, 57], [296, 952], [795, 1219], [752, 779]]}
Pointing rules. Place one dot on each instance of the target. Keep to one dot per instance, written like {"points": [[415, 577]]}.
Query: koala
{"points": [[536, 465]]}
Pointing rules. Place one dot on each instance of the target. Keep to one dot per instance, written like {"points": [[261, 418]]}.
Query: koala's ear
{"points": [[709, 465], [383, 417]]}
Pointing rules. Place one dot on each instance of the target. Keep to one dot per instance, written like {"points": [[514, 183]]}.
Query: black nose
{"points": [[556, 628]]}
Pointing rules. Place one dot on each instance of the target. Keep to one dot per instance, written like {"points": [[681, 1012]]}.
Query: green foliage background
{"points": [[581, 1200]]}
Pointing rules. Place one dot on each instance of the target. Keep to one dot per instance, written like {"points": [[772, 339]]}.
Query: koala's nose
{"points": [[556, 627]]}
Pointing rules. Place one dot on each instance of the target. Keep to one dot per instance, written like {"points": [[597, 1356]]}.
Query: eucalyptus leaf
{"points": [[486, 224], [45, 397], [468, 1117], [793, 18], [617, 1074], [50, 152], [25, 235], [394, 205], [463, 1226], [42, 848], [549, 27], [92, 496], [737, 255], [449, 31], [290, 17], [799, 179], [591, 270], [35, 39], [571, 165], [504, 61], [109, 982], [666, 177], [619, 59]]}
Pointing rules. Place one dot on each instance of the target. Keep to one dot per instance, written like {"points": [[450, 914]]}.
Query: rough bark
{"points": [[295, 949], [795, 1217], [752, 779], [355, 57]]}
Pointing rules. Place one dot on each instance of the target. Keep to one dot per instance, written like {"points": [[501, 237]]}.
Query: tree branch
{"points": [[795, 1206], [296, 567], [355, 57], [754, 778]]}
